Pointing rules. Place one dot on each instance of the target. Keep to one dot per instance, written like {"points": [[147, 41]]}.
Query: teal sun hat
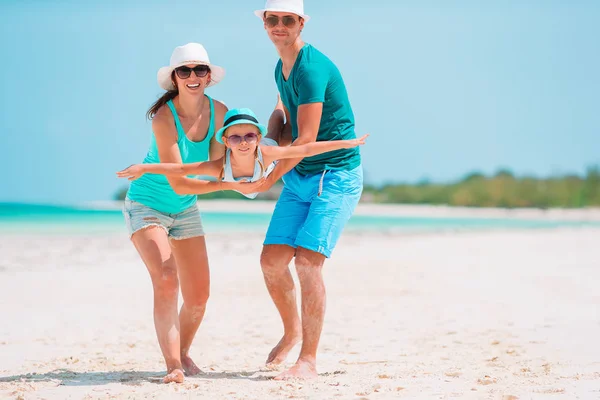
{"points": [[237, 116]]}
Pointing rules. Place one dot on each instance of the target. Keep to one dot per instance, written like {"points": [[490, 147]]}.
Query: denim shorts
{"points": [[183, 225], [313, 210]]}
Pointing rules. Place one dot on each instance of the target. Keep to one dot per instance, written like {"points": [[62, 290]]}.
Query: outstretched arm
{"points": [[209, 168], [188, 185], [272, 153], [168, 152]]}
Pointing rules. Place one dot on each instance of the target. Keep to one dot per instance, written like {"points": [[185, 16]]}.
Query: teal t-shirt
{"points": [[315, 79]]}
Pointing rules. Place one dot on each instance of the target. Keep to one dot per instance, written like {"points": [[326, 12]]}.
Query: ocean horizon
{"points": [[241, 216]]}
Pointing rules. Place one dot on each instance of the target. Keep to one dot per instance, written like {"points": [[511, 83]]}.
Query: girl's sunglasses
{"points": [[249, 138], [273, 20], [185, 72]]}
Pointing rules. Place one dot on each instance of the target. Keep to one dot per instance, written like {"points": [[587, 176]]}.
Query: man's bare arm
{"points": [[309, 120]]}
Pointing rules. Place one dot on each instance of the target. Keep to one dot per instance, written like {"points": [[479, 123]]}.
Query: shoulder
{"points": [[314, 66], [220, 107], [163, 121], [267, 142], [314, 59], [270, 150], [316, 55]]}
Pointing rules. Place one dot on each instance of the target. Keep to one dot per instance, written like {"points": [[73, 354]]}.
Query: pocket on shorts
{"points": [[345, 182], [139, 216]]}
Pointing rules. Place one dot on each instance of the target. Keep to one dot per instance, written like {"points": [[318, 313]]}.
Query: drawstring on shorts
{"points": [[321, 183]]}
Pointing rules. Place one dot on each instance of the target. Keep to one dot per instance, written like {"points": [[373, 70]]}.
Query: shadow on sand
{"points": [[65, 377]]}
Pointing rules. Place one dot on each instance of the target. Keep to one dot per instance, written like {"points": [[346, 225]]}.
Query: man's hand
{"points": [[267, 184]]}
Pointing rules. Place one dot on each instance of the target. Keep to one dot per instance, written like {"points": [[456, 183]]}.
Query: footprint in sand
{"points": [[551, 391], [547, 368], [487, 380]]}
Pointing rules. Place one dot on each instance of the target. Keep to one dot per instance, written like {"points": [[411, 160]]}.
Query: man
{"points": [[320, 193]]}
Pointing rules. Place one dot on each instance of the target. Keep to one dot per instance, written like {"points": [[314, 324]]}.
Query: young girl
{"points": [[249, 156]]}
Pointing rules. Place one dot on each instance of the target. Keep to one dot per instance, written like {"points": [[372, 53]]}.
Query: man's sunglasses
{"points": [[249, 138], [185, 72], [273, 20]]}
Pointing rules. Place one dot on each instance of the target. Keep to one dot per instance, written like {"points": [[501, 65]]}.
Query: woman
{"points": [[165, 227]]}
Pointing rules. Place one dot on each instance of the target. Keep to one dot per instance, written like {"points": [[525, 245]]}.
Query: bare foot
{"points": [[175, 375], [301, 370], [280, 352], [189, 366]]}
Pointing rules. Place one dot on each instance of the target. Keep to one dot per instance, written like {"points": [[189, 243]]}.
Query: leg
{"points": [[327, 216], [192, 266], [288, 217], [309, 265], [275, 261], [153, 246]]}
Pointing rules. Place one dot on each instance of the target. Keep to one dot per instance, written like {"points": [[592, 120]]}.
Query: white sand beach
{"points": [[475, 315]]}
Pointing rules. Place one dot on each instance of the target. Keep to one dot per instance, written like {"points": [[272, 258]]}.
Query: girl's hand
{"points": [[359, 142], [132, 172]]}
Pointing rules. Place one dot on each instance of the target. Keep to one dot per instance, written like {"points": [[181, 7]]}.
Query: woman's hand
{"points": [[246, 187], [132, 172]]}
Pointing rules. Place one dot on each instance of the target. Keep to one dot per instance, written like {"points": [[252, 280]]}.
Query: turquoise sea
{"points": [[26, 218]]}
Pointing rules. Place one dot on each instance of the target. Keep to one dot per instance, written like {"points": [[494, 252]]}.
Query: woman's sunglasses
{"points": [[249, 138], [273, 20], [185, 72]]}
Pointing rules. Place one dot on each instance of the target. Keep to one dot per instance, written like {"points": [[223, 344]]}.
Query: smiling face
{"points": [[283, 28], [242, 139], [191, 78]]}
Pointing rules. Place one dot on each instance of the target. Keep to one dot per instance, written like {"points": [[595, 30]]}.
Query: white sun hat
{"points": [[289, 6], [191, 53]]}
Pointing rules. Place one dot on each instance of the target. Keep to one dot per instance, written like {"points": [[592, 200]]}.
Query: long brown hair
{"points": [[169, 95]]}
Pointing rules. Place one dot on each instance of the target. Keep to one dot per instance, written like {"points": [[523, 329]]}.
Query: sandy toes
{"points": [[302, 370], [174, 376]]}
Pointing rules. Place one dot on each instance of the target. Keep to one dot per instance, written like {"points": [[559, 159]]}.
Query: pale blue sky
{"points": [[444, 87]]}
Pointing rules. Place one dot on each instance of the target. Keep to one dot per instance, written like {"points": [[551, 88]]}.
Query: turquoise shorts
{"points": [[183, 225], [312, 210]]}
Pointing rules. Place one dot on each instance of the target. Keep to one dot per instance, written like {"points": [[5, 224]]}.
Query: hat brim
{"points": [[164, 74], [221, 132], [261, 13]]}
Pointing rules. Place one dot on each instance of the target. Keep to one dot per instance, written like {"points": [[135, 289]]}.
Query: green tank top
{"points": [[153, 190]]}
